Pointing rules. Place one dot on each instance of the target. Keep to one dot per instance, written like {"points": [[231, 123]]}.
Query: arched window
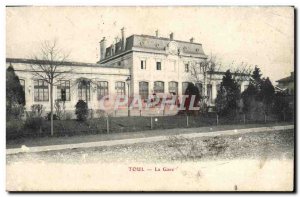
{"points": [[63, 88], [173, 87], [159, 87], [102, 89], [120, 87], [41, 91], [184, 86], [144, 89], [84, 90]]}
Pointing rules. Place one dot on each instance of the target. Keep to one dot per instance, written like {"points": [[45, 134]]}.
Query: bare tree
{"points": [[241, 71], [201, 72], [49, 66]]}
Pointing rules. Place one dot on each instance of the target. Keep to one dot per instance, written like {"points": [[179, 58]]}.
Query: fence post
{"points": [[151, 123], [115, 113], [217, 119], [244, 118], [140, 112], [187, 121], [265, 118], [284, 116], [107, 125]]}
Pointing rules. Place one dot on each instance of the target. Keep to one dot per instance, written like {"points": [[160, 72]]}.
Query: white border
{"points": [[106, 3]]}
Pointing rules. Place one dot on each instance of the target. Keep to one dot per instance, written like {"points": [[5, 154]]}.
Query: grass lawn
{"points": [[17, 129], [81, 138]]}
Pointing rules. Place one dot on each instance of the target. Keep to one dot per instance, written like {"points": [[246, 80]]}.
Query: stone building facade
{"points": [[135, 65]]}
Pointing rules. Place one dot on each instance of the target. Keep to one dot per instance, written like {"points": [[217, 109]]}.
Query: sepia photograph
{"points": [[150, 98]]}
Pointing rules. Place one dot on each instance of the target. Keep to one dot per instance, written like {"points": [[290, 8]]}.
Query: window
{"points": [[173, 87], [209, 91], [184, 86], [63, 85], [41, 91], [159, 87], [158, 65], [22, 82], [186, 68], [143, 64], [144, 89], [102, 89], [199, 86], [84, 91], [120, 88]]}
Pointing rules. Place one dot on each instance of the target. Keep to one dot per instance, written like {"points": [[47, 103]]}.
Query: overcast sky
{"points": [[257, 36]]}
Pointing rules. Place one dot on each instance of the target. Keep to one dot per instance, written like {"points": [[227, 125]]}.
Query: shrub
{"points": [[34, 124], [16, 111], [15, 95], [91, 114], [68, 116], [14, 128], [100, 113], [55, 117], [59, 110], [281, 106], [81, 110], [36, 110]]}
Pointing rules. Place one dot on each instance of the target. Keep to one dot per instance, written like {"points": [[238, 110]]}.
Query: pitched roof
{"points": [[286, 79], [34, 61], [153, 43], [66, 63], [223, 73]]}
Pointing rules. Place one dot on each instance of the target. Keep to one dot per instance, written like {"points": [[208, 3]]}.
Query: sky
{"points": [[262, 36]]}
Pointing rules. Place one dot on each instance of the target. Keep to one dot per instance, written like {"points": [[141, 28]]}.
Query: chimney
{"points": [[172, 36], [116, 39], [156, 33], [102, 48], [191, 40], [123, 38]]}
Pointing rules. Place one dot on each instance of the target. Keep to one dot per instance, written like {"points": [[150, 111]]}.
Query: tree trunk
{"points": [[86, 95], [204, 85], [51, 104]]}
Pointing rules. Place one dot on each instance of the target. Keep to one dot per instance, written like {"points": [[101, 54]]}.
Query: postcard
{"points": [[152, 99]]}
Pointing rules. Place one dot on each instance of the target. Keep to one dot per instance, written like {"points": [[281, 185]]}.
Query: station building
{"points": [[134, 65]]}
